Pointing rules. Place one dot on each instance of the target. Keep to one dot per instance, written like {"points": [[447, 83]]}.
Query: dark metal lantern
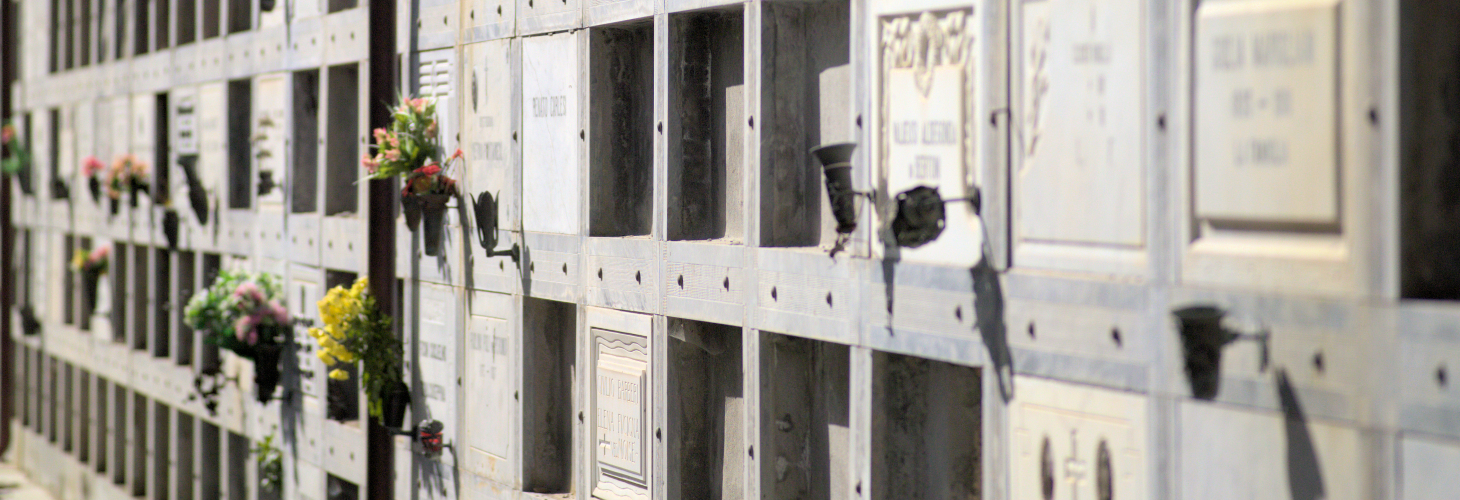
{"points": [[836, 161], [920, 217]]}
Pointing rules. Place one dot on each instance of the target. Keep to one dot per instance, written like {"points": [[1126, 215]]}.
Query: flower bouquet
{"points": [[91, 265], [91, 167], [16, 158], [245, 313], [411, 148], [127, 174], [356, 330]]}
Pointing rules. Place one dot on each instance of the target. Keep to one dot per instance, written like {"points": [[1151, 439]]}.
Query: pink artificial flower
{"points": [[98, 254], [392, 155], [455, 155], [90, 166], [430, 169], [243, 327], [253, 337], [431, 129], [7, 133], [394, 140], [280, 314], [379, 136], [419, 104], [370, 164]]}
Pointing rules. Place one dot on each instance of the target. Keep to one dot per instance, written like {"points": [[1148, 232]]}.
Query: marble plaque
{"points": [[1266, 111], [1080, 176], [550, 140], [620, 415], [489, 385], [487, 127], [436, 353], [929, 63]]}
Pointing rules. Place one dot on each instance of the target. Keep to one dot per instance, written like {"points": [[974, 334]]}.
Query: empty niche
{"points": [[56, 36], [342, 147], [84, 419], [103, 424], [27, 385], [805, 418], [140, 28], [119, 29], [186, 286], [304, 180], [185, 443], [139, 444], [339, 5], [621, 151], [926, 429], [119, 434], [69, 313], [806, 102], [161, 435], [187, 21], [54, 143], [163, 35], [139, 313], [706, 411], [162, 148], [211, 464], [85, 32], [53, 398], [550, 332], [212, 14], [340, 489], [162, 304], [118, 275], [1429, 194], [68, 407], [240, 16], [238, 457], [706, 128], [342, 396], [208, 358], [164, 16], [240, 170]]}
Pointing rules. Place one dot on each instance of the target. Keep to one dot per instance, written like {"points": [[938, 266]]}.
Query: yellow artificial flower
{"points": [[315, 332], [324, 356], [339, 374], [78, 259], [342, 353]]}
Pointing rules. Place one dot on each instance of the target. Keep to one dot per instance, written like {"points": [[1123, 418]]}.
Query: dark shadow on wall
{"points": [[988, 304], [1305, 474]]}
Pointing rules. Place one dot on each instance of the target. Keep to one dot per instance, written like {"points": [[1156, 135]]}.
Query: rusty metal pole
{"points": [[381, 209]]}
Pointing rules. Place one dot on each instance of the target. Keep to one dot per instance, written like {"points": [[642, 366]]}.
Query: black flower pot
{"points": [[836, 161], [29, 323], [411, 204], [266, 371], [95, 185], [116, 205], [1202, 338], [170, 223], [394, 403], [89, 280], [434, 210]]}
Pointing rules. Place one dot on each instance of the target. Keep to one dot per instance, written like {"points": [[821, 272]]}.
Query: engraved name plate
{"points": [[620, 416], [1266, 111]]}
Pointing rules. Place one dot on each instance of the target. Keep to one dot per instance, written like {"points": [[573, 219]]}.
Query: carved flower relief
{"points": [[927, 40]]}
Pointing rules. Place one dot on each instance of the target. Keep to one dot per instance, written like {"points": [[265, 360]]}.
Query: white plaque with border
{"points": [[620, 416], [1266, 142], [929, 63], [1079, 177]]}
